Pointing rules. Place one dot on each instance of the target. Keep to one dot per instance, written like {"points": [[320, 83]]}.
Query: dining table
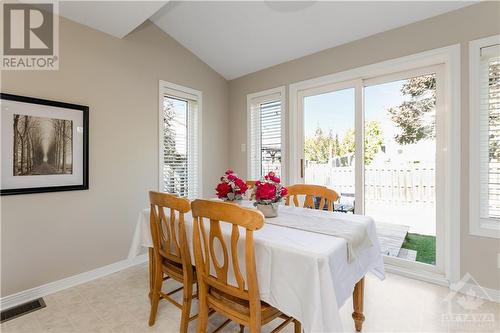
{"points": [[305, 274]]}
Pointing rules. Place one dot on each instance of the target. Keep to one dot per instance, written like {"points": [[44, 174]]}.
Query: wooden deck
{"points": [[391, 238]]}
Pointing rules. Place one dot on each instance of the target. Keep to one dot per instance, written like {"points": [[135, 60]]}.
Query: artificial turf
{"points": [[424, 245]]}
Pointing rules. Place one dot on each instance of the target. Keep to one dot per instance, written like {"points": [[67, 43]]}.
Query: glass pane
{"points": [[175, 167], [329, 143], [492, 102], [400, 165], [270, 124]]}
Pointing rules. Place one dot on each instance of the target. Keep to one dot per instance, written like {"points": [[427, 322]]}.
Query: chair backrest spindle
{"points": [[206, 254], [326, 195], [168, 233]]}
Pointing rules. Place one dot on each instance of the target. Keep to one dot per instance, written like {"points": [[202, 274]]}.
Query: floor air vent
{"points": [[22, 309]]}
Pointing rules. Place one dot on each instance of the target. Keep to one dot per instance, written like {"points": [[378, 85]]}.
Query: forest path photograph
{"points": [[42, 146]]}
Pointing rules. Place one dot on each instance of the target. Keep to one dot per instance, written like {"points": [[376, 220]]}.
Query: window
{"points": [[433, 85], [180, 110], [265, 139], [484, 55]]}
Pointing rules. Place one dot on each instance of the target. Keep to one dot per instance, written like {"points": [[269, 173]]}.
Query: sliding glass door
{"points": [[401, 127], [378, 142]]}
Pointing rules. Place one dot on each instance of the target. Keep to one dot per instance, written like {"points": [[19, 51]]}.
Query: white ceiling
{"points": [[117, 18], [237, 38]]}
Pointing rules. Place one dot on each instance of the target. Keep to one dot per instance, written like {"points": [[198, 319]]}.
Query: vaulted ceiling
{"points": [[237, 38]]}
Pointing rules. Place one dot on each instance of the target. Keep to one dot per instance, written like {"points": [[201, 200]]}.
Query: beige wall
{"points": [[46, 237], [478, 254]]}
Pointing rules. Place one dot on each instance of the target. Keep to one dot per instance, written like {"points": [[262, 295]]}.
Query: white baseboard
{"points": [[491, 294], [417, 275], [52, 287], [480, 291]]}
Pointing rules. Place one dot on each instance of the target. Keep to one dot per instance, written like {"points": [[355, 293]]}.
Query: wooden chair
{"points": [[239, 303], [327, 196], [171, 258], [250, 184]]}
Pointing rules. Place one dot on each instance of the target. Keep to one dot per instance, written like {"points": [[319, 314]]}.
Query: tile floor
{"points": [[119, 303]]}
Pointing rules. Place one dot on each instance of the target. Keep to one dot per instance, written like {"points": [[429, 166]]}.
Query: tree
{"points": [[414, 117], [348, 145], [373, 140], [16, 143], [319, 148], [176, 162], [494, 110]]}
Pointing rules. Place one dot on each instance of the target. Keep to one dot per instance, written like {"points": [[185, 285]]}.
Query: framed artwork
{"points": [[44, 145]]}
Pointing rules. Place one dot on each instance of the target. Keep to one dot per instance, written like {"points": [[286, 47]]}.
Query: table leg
{"points": [[151, 270], [357, 302]]}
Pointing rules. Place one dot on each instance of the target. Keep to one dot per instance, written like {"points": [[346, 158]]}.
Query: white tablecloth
{"points": [[304, 274]]}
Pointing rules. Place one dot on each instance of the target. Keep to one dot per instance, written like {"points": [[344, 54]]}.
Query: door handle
{"points": [[301, 168]]}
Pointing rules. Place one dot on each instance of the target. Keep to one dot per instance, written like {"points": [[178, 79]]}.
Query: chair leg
{"points": [[297, 327], [151, 271], [242, 328], [203, 310], [186, 307], [254, 326], [155, 297]]}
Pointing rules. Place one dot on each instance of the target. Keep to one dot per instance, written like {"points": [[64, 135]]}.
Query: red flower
{"points": [[265, 191], [229, 171], [272, 177], [241, 185], [231, 177], [222, 190], [284, 191]]}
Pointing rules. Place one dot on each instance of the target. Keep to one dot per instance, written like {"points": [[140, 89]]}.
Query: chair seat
{"points": [[174, 270], [217, 298]]}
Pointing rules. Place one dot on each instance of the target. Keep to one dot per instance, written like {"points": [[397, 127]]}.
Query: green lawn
{"points": [[424, 245]]}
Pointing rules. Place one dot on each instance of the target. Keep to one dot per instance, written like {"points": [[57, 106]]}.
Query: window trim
{"points": [[262, 97], [169, 88], [478, 226]]}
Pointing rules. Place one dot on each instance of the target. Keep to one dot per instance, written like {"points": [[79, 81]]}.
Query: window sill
{"points": [[485, 228]]}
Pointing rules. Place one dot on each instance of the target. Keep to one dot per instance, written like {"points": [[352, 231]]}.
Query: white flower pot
{"points": [[269, 210]]}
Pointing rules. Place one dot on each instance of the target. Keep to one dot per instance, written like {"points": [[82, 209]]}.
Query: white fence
{"points": [[408, 184]]}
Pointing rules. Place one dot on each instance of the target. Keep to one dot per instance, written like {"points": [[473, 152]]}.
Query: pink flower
{"points": [[241, 185], [222, 190], [272, 177], [265, 191], [284, 191]]}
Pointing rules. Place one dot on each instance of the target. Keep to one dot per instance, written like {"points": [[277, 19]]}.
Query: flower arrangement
{"points": [[268, 194], [231, 187]]}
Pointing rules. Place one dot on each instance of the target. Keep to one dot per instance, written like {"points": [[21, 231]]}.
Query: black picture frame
{"points": [[85, 160]]}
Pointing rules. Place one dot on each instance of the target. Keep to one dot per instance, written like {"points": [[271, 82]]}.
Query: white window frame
{"points": [[449, 57], [478, 226], [176, 90], [260, 97]]}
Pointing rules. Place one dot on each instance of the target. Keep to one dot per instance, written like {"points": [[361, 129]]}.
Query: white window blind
{"points": [[179, 142], [489, 130], [265, 139]]}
